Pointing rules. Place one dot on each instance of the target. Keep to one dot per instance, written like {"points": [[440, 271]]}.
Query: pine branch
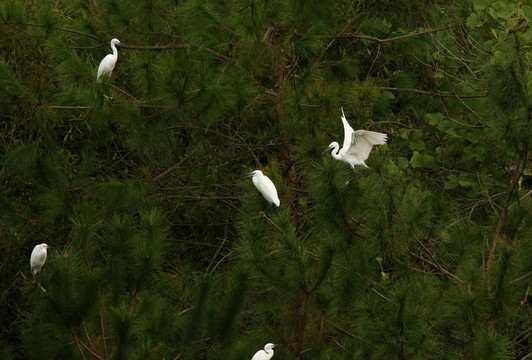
{"points": [[381, 41], [175, 166], [4, 22], [382, 296], [125, 93], [103, 332], [502, 219], [454, 57], [88, 336], [520, 166], [520, 199], [60, 107], [221, 260], [263, 214], [216, 254], [80, 349], [521, 277], [443, 94], [80, 342], [132, 304], [437, 266], [302, 328], [347, 332], [333, 40], [527, 356], [435, 262], [154, 47], [73, 31]]}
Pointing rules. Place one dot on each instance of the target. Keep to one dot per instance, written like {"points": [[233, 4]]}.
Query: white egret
{"points": [[265, 187], [38, 257], [109, 61], [265, 354], [357, 144]]}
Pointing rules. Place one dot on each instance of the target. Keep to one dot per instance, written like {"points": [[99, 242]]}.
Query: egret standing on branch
{"points": [[357, 144], [265, 187], [38, 257], [265, 354], [109, 61]]}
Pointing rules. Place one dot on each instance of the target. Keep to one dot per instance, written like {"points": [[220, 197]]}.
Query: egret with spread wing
{"points": [[357, 144]]}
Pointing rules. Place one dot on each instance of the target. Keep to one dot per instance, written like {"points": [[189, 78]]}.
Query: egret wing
{"points": [[362, 142], [260, 355], [267, 188], [37, 259], [348, 132], [106, 66]]}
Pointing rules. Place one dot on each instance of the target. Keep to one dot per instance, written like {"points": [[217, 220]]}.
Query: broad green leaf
{"points": [[402, 163], [482, 4], [452, 182], [434, 119], [416, 141], [422, 160], [474, 20]]}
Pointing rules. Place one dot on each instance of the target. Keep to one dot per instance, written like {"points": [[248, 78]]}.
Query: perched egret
{"points": [[265, 354], [109, 61], [265, 187], [357, 144], [38, 257]]}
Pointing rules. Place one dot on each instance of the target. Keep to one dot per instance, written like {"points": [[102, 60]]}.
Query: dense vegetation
{"points": [[165, 251]]}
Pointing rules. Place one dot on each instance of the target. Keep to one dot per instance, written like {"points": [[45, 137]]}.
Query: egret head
{"points": [[269, 346], [115, 41], [256, 172], [331, 146]]}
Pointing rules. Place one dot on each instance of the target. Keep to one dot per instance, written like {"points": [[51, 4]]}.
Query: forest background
{"points": [[163, 250]]}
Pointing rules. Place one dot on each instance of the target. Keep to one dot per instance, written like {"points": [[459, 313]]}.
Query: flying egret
{"points": [[38, 257], [265, 187], [357, 144], [109, 61], [265, 354]]}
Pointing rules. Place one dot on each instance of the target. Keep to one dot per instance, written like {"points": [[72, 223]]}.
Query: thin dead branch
{"points": [[444, 94], [382, 41]]}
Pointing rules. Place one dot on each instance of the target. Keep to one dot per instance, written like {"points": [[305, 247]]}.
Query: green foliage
{"points": [[163, 250]]}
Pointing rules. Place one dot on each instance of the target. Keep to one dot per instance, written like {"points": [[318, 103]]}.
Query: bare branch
{"points": [[434, 93], [154, 47], [437, 266], [176, 165], [73, 31], [521, 277], [381, 41], [502, 219], [69, 107]]}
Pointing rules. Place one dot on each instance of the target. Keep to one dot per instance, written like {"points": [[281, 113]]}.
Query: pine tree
{"points": [[164, 251]]}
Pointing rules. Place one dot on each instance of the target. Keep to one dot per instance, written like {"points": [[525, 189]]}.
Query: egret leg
{"points": [[43, 289]]}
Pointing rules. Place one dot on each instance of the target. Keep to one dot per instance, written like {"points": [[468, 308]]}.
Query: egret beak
{"points": [[50, 247], [324, 151]]}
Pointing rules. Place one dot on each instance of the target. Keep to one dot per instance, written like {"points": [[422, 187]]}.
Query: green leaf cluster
{"points": [[163, 250]]}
